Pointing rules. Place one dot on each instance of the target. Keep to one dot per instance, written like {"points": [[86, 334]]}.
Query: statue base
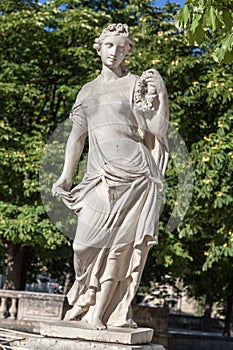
{"points": [[81, 330], [67, 344]]}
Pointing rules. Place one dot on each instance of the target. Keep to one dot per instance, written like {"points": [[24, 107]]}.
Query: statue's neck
{"points": [[111, 74]]}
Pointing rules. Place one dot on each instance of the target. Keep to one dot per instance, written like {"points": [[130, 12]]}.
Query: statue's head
{"points": [[115, 30]]}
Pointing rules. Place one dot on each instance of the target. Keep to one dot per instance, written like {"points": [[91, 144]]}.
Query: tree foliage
{"points": [[47, 56], [200, 94], [210, 20], [43, 64]]}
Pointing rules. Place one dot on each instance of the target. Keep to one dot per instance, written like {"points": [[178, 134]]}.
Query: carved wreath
{"points": [[144, 99]]}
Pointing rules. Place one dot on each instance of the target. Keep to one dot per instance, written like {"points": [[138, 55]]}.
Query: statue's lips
{"points": [[112, 59]]}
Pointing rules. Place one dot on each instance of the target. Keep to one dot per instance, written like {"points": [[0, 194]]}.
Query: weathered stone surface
{"points": [[67, 344], [29, 320], [81, 330], [153, 317], [20, 325], [41, 306], [125, 117]]}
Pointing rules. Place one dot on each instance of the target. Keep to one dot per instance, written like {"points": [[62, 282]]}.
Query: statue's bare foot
{"points": [[130, 323], [98, 324], [73, 313]]}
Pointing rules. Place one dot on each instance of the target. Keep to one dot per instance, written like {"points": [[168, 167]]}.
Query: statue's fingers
{"points": [[54, 190]]}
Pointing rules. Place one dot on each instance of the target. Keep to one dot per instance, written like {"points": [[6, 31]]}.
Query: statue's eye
{"points": [[108, 45]]}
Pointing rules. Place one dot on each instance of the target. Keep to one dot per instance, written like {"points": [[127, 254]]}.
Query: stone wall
{"points": [[194, 340], [196, 323], [155, 318]]}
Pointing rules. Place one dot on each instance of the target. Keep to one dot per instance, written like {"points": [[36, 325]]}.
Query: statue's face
{"points": [[113, 51]]}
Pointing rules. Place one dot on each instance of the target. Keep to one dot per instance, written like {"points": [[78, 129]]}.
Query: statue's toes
{"points": [[97, 324]]}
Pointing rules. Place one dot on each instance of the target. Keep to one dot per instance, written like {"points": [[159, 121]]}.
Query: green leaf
{"points": [[199, 35], [227, 43], [228, 58], [228, 20], [185, 14], [219, 54], [214, 20], [195, 22]]}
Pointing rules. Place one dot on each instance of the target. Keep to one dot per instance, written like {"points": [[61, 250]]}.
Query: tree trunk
{"points": [[15, 271], [206, 319], [229, 315]]}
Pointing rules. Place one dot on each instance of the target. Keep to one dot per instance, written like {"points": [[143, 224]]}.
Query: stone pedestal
{"points": [[82, 330], [78, 335], [68, 344]]}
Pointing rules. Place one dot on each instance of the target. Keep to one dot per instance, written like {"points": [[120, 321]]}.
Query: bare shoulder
{"points": [[87, 90]]}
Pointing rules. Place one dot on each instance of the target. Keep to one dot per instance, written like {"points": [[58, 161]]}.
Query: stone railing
{"points": [[30, 306], [9, 304]]}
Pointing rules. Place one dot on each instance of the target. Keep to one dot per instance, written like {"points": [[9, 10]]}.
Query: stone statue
{"points": [[125, 118]]}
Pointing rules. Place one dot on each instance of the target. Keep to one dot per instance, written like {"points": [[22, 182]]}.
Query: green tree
{"points": [[200, 93], [209, 20], [46, 57], [43, 52]]}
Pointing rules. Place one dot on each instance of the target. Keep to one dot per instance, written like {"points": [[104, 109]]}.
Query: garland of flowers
{"points": [[145, 100]]}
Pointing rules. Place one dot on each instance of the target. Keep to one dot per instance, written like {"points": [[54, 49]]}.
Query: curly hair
{"points": [[115, 29]]}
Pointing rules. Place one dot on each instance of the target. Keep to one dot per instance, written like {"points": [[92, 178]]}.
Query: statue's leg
{"points": [[140, 255], [130, 323], [82, 305], [107, 291], [80, 302]]}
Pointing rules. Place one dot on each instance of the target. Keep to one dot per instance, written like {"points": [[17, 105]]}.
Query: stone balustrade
{"points": [[30, 306], [9, 304]]}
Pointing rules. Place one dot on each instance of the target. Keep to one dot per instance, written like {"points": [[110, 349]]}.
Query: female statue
{"points": [[125, 118]]}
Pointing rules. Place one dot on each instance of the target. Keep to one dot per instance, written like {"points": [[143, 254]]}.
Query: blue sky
{"points": [[163, 2], [158, 2]]}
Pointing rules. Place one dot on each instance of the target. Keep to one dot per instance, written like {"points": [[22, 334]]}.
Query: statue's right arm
{"points": [[74, 148]]}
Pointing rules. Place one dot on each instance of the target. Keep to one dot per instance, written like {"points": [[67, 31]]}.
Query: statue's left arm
{"points": [[158, 123], [151, 102]]}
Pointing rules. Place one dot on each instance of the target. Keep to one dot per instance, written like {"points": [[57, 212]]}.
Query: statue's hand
{"points": [[61, 185], [147, 91], [154, 82]]}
